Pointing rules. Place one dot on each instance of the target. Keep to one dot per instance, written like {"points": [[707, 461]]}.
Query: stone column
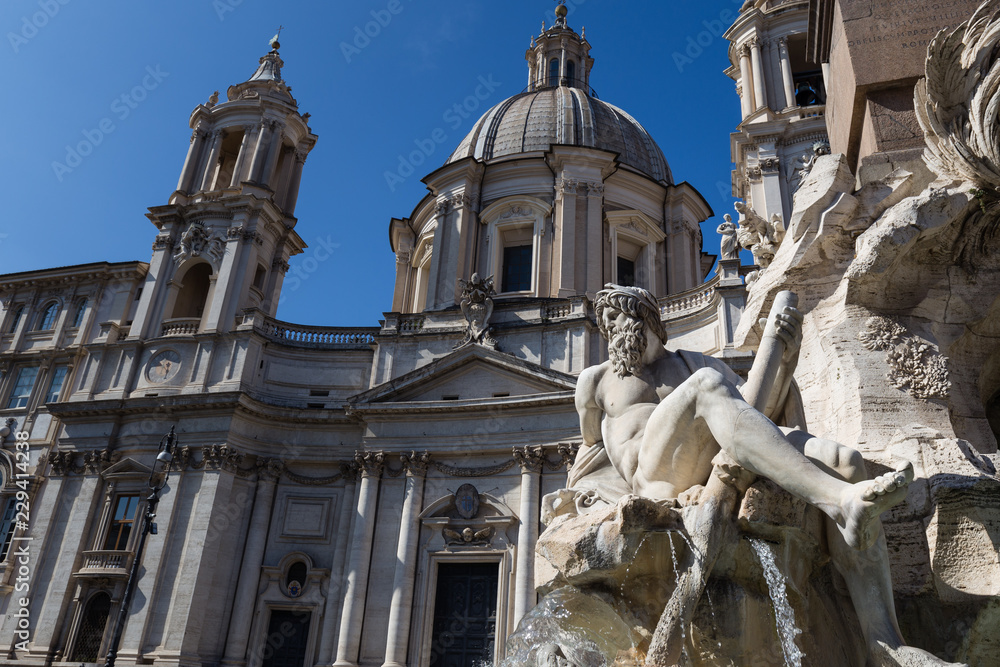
{"points": [[438, 287], [530, 459], [349, 640], [191, 162], [406, 561], [786, 73], [760, 97], [595, 238], [747, 81], [242, 157], [272, 155], [562, 63], [566, 189], [244, 602], [213, 161], [260, 151], [292, 195], [337, 574]]}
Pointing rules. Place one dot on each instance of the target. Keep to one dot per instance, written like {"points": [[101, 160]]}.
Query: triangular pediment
{"points": [[470, 373], [127, 467]]}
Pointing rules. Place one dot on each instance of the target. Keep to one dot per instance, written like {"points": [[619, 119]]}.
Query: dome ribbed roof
{"points": [[535, 121]]}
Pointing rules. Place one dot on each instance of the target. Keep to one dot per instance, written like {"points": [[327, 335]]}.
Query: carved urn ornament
{"points": [[477, 306]]}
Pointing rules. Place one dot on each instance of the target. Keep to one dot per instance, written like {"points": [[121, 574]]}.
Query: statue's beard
{"points": [[626, 349]]}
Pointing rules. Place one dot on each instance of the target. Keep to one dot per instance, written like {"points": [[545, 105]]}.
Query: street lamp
{"points": [[157, 480]]}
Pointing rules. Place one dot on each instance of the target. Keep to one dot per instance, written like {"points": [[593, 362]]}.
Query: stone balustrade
{"points": [[181, 326], [104, 563], [691, 301], [332, 338]]}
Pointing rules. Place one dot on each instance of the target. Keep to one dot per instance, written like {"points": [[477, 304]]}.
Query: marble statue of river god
{"points": [[671, 443]]}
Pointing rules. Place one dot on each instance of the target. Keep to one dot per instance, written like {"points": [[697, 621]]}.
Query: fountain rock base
{"points": [[605, 578]]}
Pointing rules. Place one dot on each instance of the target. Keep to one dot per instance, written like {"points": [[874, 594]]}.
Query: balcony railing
{"points": [[181, 326], [105, 564], [685, 303], [329, 338]]}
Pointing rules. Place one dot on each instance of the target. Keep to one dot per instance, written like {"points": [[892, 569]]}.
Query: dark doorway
{"points": [[465, 614], [92, 626], [287, 638]]}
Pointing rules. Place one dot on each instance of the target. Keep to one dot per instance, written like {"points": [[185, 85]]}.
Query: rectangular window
{"points": [[516, 269], [21, 392], [626, 272], [7, 526], [58, 380], [121, 523]]}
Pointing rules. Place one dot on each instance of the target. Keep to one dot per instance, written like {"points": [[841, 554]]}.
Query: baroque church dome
{"points": [[538, 120]]}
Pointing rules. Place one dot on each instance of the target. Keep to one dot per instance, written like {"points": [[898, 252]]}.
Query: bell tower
{"points": [[228, 231]]}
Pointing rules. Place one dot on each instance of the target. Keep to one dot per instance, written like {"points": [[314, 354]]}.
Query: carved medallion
{"points": [[163, 366], [467, 501]]}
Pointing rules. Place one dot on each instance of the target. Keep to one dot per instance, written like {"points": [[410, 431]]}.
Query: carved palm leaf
{"points": [[958, 103]]}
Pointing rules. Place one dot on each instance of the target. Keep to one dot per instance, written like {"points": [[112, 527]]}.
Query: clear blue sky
{"points": [[68, 63]]}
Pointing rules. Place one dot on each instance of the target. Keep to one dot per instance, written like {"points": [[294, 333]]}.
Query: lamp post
{"points": [[157, 480]]}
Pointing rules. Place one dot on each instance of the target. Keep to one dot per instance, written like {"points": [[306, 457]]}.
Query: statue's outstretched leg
{"points": [[866, 573], [707, 408]]}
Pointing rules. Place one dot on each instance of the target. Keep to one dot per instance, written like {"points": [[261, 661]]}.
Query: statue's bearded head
{"points": [[627, 336]]}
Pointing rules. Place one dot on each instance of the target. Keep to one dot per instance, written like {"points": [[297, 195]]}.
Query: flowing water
{"points": [[783, 613]]}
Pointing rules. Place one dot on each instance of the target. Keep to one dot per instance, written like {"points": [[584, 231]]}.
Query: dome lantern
{"points": [[559, 57]]}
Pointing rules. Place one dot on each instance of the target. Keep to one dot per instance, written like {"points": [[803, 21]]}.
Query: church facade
{"points": [[337, 496]]}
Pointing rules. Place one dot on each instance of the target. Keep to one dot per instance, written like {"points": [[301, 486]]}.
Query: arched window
{"points": [[48, 319], [259, 277], [571, 73], [295, 580], [193, 295], [92, 626], [554, 72], [18, 314], [81, 309]]}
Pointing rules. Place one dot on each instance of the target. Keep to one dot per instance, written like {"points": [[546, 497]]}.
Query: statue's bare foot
{"points": [[907, 656], [866, 500]]}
